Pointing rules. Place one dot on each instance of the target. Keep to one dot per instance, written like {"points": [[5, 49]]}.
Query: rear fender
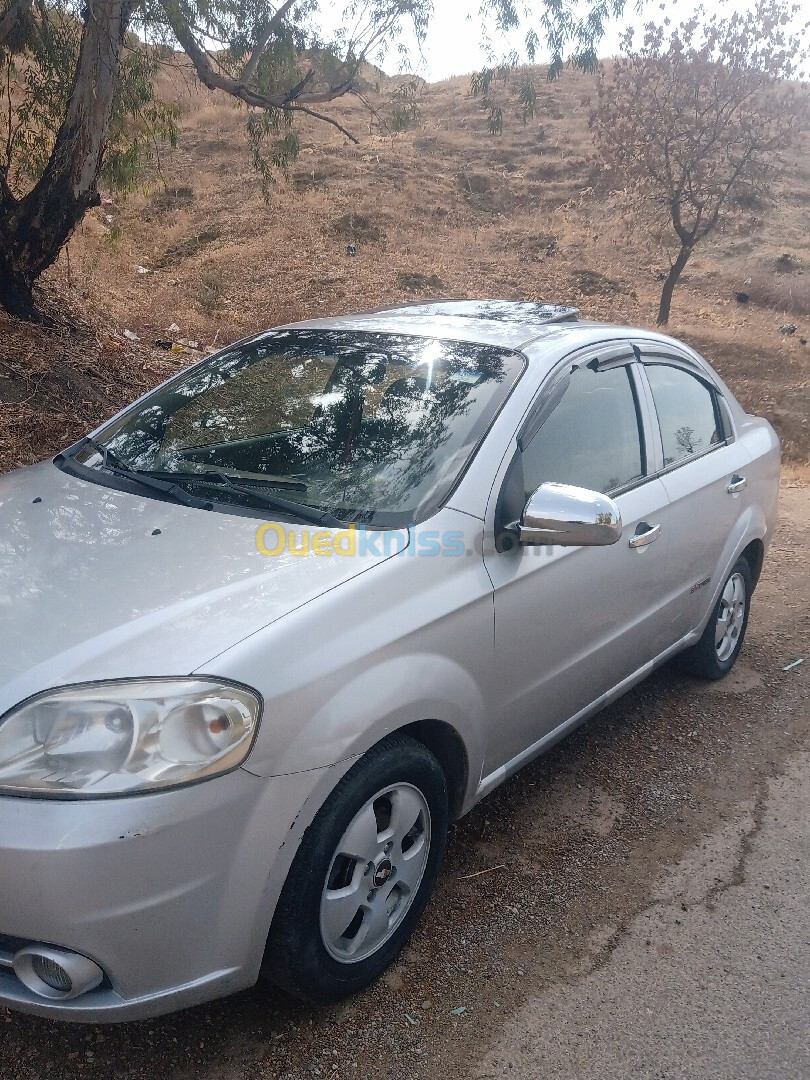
{"points": [[751, 526]]}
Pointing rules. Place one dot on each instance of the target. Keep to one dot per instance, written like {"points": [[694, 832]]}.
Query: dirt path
{"points": [[585, 842]]}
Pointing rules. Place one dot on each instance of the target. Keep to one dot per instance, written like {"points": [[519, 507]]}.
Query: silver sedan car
{"points": [[273, 627]]}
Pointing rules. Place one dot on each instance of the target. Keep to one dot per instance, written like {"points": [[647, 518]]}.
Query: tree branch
{"points": [[217, 80], [326, 120], [269, 28]]}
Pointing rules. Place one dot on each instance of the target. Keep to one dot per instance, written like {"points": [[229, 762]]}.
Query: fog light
{"points": [[51, 973], [56, 973]]}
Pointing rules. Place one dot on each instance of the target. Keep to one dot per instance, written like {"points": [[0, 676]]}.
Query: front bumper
{"points": [[172, 894]]}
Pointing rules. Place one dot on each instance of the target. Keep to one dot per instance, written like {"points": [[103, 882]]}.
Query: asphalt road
{"points": [[643, 910], [711, 980]]}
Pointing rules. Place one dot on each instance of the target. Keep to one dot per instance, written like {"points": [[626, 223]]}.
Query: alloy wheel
{"points": [[730, 617], [375, 873]]}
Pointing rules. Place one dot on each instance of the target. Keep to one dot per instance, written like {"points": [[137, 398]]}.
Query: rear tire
{"points": [[362, 876], [715, 654]]}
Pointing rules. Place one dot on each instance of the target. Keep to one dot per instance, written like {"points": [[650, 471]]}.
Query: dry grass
{"points": [[443, 209]]}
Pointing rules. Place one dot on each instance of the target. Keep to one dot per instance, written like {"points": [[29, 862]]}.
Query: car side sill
{"points": [[490, 782]]}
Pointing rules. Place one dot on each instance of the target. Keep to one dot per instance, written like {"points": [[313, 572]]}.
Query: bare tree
{"points": [[696, 120]]}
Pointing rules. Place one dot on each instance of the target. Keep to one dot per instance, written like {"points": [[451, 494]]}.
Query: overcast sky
{"points": [[453, 44]]}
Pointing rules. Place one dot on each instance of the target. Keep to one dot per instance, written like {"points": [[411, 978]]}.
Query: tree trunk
{"points": [[684, 256], [35, 228], [16, 296]]}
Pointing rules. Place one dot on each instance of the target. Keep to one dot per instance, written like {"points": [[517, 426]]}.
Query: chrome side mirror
{"points": [[569, 517]]}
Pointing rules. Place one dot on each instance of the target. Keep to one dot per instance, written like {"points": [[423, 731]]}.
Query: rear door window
{"points": [[687, 413]]}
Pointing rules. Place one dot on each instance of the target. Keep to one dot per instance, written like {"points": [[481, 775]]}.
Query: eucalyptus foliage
{"points": [[557, 32]]}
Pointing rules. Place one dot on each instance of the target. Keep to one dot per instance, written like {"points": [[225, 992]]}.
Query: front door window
{"points": [[592, 439]]}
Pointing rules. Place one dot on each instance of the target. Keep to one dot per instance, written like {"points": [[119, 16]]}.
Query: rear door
{"points": [[703, 468], [572, 623]]}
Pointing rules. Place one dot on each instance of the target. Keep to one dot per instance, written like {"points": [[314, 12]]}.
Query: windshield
{"points": [[373, 428]]}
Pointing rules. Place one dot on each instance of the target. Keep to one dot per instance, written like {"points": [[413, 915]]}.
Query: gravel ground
{"points": [[576, 849]]}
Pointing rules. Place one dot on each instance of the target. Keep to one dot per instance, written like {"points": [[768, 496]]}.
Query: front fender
{"points": [[377, 702], [411, 641]]}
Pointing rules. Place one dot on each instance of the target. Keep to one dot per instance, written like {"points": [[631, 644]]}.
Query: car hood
{"points": [[97, 583]]}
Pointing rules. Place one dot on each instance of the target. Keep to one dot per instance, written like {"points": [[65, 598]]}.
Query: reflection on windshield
{"points": [[372, 427]]}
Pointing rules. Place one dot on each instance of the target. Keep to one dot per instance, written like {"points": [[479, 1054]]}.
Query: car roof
{"points": [[503, 323], [524, 312]]}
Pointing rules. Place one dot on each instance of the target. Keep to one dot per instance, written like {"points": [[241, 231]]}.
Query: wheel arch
{"points": [[447, 746], [754, 555], [749, 541]]}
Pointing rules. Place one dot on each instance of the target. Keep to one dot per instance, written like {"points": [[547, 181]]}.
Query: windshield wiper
{"points": [[247, 481], [179, 494], [308, 514], [274, 502], [112, 464], [107, 456]]}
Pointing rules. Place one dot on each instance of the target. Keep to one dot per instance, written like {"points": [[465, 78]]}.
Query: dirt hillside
{"points": [[443, 209]]}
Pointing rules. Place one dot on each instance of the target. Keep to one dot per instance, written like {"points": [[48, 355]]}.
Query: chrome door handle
{"points": [[649, 536], [738, 484]]}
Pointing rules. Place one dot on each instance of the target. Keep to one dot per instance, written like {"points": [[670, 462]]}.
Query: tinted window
{"points": [[686, 412], [592, 439]]}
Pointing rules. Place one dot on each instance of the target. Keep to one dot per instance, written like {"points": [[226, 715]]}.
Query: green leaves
{"points": [[79, 99], [566, 31], [38, 60], [562, 28], [273, 143], [404, 111], [141, 123], [276, 60]]}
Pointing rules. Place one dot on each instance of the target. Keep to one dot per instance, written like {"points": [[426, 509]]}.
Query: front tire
{"points": [[715, 654], [362, 876]]}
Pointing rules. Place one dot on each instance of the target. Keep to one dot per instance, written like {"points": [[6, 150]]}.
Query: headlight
{"points": [[115, 738]]}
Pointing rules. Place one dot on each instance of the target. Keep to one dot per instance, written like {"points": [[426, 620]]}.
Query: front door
{"points": [[572, 623]]}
